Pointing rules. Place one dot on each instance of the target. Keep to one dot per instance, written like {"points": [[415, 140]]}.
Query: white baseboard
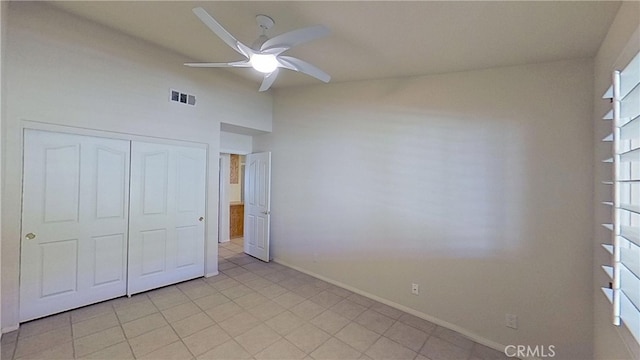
{"points": [[9, 329], [473, 336], [207, 275]]}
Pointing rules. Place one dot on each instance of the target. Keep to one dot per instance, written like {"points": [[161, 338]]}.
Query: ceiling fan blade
{"points": [[268, 80], [222, 33], [295, 37], [245, 50], [229, 64], [274, 50], [303, 67]]}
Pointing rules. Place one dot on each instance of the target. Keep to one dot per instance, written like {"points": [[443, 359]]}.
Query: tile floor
{"points": [[252, 310]]}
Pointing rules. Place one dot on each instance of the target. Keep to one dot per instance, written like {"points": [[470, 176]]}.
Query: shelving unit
{"points": [[623, 246]]}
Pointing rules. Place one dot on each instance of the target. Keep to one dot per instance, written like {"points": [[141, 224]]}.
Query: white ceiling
{"points": [[371, 40]]}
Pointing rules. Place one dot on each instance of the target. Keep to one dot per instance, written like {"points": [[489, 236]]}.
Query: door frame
{"points": [[224, 235], [223, 201]]}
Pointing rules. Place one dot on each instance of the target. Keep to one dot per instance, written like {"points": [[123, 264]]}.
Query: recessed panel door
{"points": [[74, 221], [257, 199], [166, 234]]}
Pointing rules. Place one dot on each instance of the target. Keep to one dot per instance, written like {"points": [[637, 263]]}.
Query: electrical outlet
{"points": [[511, 321], [415, 289]]}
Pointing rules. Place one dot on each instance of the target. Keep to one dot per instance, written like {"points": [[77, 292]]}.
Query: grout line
{"points": [[15, 347], [292, 274], [126, 339], [73, 339], [204, 312]]}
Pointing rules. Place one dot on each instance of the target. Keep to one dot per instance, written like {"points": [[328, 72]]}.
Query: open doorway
{"points": [[231, 199], [236, 199], [256, 208]]}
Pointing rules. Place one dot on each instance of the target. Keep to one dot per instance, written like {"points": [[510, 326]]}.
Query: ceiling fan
{"points": [[265, 54]]}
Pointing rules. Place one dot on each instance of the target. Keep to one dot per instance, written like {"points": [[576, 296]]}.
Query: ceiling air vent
{"points": [[180, 97]]}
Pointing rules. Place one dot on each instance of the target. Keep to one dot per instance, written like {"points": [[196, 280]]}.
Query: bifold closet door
{"points": [[167, 207], [74, 222]]}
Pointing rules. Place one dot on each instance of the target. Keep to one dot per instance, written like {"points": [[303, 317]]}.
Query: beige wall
{"points": [[67, 71], [620, 45], [235, 143], [475, 185]]}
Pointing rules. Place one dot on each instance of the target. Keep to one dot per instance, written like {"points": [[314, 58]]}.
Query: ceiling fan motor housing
{"points": [[265, 22]]}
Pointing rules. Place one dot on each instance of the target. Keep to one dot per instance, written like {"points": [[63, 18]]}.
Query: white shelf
{"points": [[608, 247], [630, 130], [630, 257], [608, 293], [629, 77], [630, 316], [624, 270], [607, 182], [631, 233], [608, 270], [631, 208], [630, 106], [631, 285], [631, 155], [608, 203], [608, 115], [626, 95]]}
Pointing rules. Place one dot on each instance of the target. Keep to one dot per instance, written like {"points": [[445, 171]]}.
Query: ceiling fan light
{"points": [[265, 63]]}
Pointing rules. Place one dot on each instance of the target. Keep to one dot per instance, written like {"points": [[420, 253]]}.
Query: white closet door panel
{"points": [[74, 221], [166, 234], [187, 185], [153, 251], [59, 267], [111, 178], [109, 263], [61, 183], [189, 250], [155, 167]]}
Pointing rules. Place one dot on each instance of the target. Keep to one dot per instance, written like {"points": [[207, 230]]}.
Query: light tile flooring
{"points": [[252, 310]]}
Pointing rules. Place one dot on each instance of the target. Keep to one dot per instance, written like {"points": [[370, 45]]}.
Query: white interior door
{"points": [[257, 199], [74, 222], [166, 232]]}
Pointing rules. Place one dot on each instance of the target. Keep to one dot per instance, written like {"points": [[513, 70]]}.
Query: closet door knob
{"points": [[30, 236], [200, 218]]}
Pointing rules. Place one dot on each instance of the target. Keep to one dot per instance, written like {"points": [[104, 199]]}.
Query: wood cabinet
{"points": [[236, 223]]}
